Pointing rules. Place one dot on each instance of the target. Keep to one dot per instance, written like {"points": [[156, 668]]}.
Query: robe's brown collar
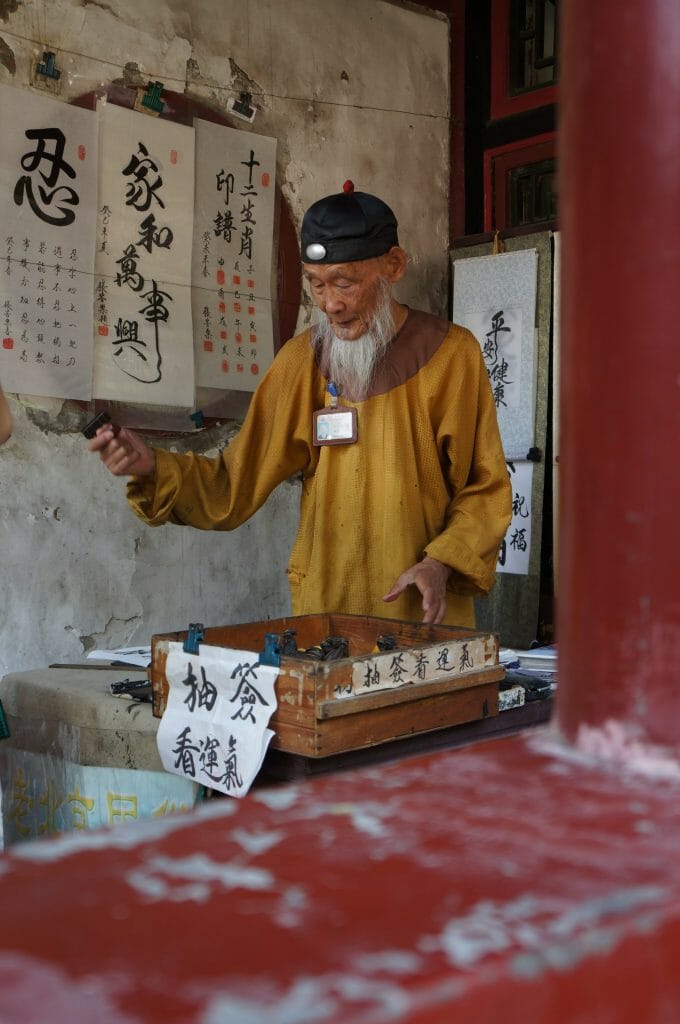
{"points": [[412, 347]]}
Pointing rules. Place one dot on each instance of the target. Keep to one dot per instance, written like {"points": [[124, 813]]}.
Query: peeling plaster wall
{"points": [[358, 89], [79, 571]]}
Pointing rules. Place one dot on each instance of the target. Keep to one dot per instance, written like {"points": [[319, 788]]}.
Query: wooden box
{"points": [[436, 677]]}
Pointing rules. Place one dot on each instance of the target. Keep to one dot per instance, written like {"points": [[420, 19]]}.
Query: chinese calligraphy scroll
{"points": [[512, 608], [516, 546], [143, 260], [232, 256], [161, 233], [214, 729], [48, 182], [495, 297]]}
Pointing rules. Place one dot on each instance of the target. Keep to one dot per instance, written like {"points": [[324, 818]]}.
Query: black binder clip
{"points": [[271, 655], [195, 635]]}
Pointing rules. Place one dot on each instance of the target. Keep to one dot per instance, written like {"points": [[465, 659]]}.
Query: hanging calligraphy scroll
{"points": [[514, 290], [53, 218], [516, 546], [232, 256], [215, 403], [495, 296], [143, 260], [48, 182]]}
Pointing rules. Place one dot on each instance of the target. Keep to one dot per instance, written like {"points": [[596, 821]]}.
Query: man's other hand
{"points": [[430, 577], [123, 453]]}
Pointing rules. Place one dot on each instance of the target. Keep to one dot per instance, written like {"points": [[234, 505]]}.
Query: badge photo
{"points": [[334, 425]]}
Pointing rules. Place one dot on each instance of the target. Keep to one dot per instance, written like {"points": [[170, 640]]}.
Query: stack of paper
{"points": [[539, 659]]}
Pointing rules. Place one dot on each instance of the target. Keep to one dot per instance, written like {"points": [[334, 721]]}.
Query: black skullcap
{"points": [[346, 227]]}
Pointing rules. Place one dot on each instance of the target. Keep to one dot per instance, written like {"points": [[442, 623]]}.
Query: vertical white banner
{"points": [[557, 264], [142, 306], [516, 547], [495, 297], [48, 183], [232, 256]]}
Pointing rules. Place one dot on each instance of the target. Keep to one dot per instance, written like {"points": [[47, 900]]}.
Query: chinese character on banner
{"points": [[142, 302], [48, 178], [214, 729], [495, 298], [232, 256], [516, 547]]}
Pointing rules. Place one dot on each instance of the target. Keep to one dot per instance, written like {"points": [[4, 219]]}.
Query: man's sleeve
{"points": [[480, 510], [221, 493]]}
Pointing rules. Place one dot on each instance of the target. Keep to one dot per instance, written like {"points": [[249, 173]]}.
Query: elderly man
{"points": [[387, 413]]}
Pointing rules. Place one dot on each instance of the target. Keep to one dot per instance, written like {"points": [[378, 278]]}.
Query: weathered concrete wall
{"points": [[354, 90]]}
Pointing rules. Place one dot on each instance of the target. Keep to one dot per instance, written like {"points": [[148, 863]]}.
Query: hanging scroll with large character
{"points": [[48, 182], [506, 300], [495, 297], [516, 547], [143, 324], [232, 256]]}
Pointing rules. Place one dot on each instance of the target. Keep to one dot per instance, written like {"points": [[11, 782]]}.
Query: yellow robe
{"points": [[426, 476]]}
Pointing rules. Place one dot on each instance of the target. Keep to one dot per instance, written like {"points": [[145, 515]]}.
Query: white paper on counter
{"points": [[138, 656], [214, 729]]}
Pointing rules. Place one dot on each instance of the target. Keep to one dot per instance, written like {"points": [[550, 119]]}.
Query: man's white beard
{"points": [[352, 364]]}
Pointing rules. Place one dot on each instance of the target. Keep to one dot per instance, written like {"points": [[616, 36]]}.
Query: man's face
{"points": [[347, 293]]}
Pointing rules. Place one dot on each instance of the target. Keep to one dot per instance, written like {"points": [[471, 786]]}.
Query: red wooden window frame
{"points": [[497, 163], [502, 103]]}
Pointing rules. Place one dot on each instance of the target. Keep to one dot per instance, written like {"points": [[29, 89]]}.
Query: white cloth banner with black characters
{"points": [[495, 298], [215, 726], [516, 547], [232, 256], [142, 291], [48, 190]]}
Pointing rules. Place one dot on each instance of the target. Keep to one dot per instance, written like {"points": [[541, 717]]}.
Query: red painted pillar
{"points": [[619, 598]]}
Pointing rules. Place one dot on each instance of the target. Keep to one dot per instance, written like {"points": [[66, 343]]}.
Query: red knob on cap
{"points": [[348, 187]]}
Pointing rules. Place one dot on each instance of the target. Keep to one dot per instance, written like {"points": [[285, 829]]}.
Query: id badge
{"points": [[334, 425]]}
